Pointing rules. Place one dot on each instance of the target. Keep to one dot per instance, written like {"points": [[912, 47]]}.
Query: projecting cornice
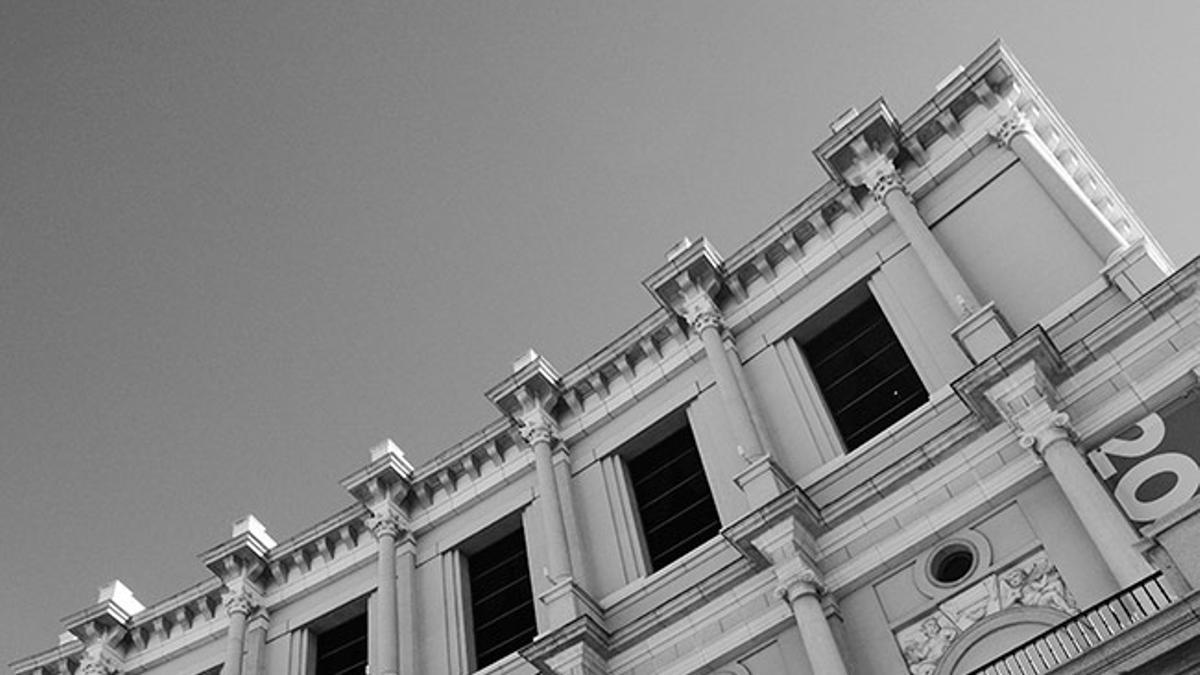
{"points": [[386, 478], [243, 556], [944, 133]]}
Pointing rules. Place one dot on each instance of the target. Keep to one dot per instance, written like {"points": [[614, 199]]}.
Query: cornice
{"points": [[65, 654], [777, 262]]}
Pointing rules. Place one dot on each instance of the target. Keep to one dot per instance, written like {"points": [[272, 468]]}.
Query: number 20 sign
{"points": [[1151, 467]]}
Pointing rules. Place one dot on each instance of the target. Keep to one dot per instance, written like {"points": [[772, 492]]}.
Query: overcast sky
{"points": [[241, 243]]}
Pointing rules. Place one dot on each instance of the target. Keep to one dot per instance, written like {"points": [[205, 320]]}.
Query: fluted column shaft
{"points": [[238, 607], [1101, 518], [540, 437], [386, 529], [819, 643], [889, 190], [1016, 133], [708, 323]]}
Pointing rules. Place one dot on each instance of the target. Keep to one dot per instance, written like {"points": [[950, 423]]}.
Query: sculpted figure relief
{"points": [[1031, 582]]}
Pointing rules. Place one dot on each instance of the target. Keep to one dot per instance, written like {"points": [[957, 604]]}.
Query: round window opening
{"points": [[952, 564]]}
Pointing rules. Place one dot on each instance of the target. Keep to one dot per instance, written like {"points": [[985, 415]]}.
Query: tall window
{"points": [[864, 375], [502, 613], [342, 648], [674, 502]]}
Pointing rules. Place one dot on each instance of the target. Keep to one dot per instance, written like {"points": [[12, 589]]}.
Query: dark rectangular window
{"points": [[502, 613], [673, 499], [864, 375], [342, 649]]}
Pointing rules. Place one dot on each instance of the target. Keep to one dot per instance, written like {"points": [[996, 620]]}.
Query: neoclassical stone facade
{"points": [[936, 419]]}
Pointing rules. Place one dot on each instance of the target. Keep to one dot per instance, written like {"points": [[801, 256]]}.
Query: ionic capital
{"points": [[239, 603], [1011, 125], [1053, 429], [796, 580], [385, 524]]}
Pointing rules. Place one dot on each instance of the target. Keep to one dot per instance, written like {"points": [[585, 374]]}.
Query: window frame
{"points": [[814, 403], [493, 533], [646, 441]]}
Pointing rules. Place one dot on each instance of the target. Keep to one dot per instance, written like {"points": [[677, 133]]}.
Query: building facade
{"points": [[939, 418]]}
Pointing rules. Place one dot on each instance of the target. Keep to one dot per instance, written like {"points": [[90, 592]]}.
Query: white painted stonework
{"points": [[1039, 379]]}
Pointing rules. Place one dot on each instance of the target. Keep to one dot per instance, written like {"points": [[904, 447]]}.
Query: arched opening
{"points": [[995, 635]]}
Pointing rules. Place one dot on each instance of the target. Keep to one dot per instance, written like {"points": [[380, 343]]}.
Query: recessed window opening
{"points": [[341, 638], [952, 563], [863, 373], [674, 502], [502, 612]]}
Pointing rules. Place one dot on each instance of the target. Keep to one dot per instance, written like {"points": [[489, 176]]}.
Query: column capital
{"points": [[385, 523], [98, 664], [239, 603], [260, 619], [690, 282], [796, 580], [701, 312], [885, 181], [1052, 429], [1011, 125], [538, 432]]}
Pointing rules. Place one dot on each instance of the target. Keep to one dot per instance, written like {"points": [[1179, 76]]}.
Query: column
{"points": [[539, 435], [386, 528], [705, 318], [238, 606], [256, 642], [888, 189], [1053, 440], [1016, 133], [802, 592]]}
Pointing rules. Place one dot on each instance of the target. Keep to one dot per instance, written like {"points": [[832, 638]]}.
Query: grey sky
{"points": [[240, 243]]}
